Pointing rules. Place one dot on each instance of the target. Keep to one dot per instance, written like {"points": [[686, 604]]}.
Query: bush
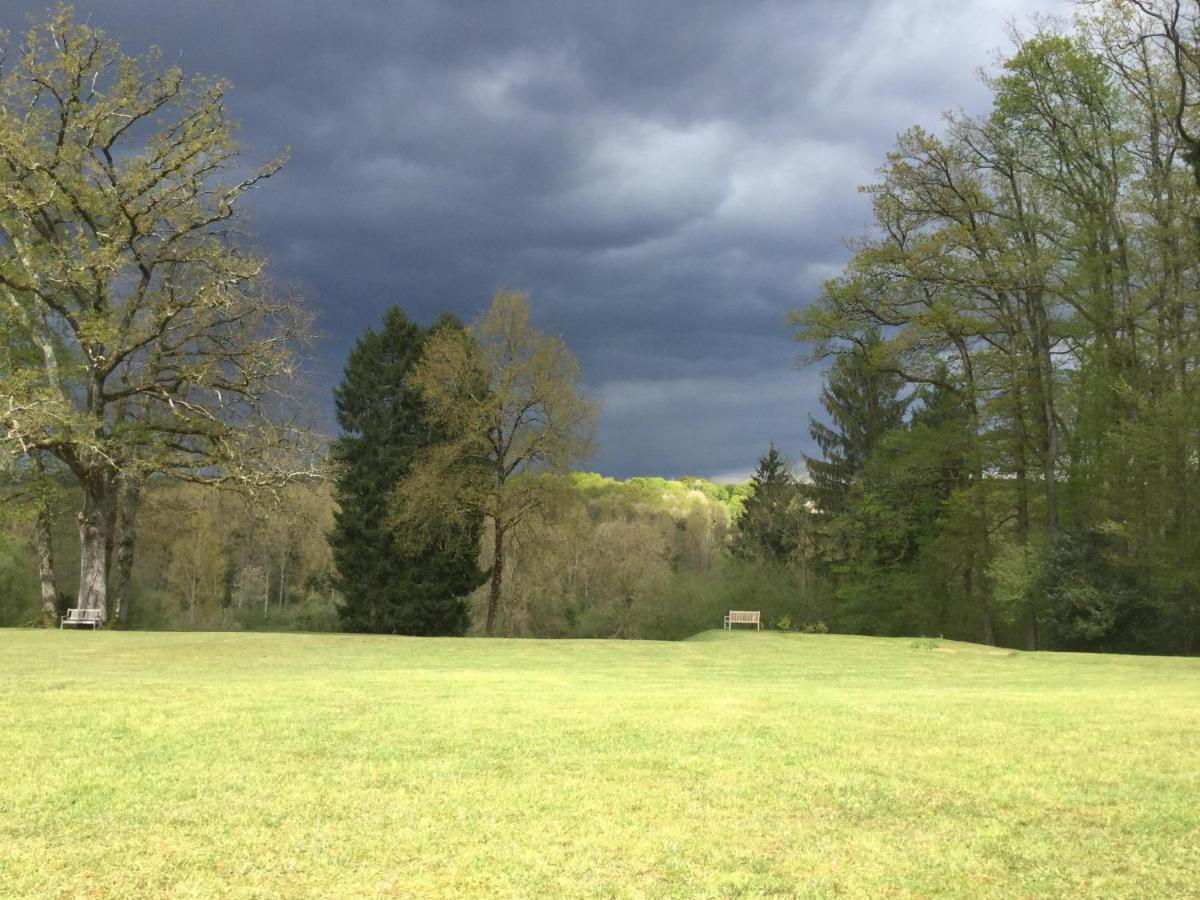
{"points": [[691, 602], [1091, 598], [20, 595], [815, 628], [317, 612]]}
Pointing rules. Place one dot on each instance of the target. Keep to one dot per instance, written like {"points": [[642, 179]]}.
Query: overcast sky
{"points": [[667, 179]]}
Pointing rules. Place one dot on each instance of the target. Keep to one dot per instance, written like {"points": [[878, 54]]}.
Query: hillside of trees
{"points": [[614, 558]]}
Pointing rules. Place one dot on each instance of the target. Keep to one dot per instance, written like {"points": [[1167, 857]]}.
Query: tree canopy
{"points": [[1035, 269], [509, 400], [140, 335]]}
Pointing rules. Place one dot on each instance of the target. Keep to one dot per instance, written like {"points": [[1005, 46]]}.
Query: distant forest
{"points": [[646, 557]]}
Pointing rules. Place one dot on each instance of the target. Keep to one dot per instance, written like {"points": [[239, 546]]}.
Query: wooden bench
{"points": [[743, 617], [82, 617]]}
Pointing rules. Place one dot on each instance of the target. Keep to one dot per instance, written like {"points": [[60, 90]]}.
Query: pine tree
{"points": [[863, 404], [393, 583], [767, 526]]}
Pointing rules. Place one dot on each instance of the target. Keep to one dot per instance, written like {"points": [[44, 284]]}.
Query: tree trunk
{"points": [[44, 546], [989, 628], [1044, 370], [977, 595], [96, 524], [45, 554], [497, 578], [127, 508], [1021, 473], [977, 552]]}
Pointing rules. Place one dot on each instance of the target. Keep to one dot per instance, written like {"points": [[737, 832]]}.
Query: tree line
{"points": [[1008, 451], [1013, 432]]}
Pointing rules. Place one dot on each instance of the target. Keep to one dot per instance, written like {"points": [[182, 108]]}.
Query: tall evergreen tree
{"points": [[863, 404], [769, 521], [393, 583]]}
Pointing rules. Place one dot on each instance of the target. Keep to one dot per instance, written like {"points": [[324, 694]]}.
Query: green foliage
{"points": [[510, 403], [18, 583], [647, 557], [1090, 600], [139, 336], [773, 515], [206, 559], [399, 583], [316, 612], [1016, 573], [897, 543], [674, 497], [863, 404], [693, 602], [1029, 278]]}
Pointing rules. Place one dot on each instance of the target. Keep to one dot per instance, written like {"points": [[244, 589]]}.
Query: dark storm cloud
{"points": [[666, 178]]}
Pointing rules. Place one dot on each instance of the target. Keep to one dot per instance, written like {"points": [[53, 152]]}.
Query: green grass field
{"points": [[264, 765]]}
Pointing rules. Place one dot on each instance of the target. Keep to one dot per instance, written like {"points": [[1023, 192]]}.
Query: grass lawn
{"points": [[271, 765]]}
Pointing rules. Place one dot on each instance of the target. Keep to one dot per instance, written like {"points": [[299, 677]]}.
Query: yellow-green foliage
{"points": [[205, 558], [609, 558], [674, 496], [747, 764]]}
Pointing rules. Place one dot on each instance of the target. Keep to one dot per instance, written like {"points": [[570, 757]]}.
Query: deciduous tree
{"points": [[509, 400], [159, 342]]}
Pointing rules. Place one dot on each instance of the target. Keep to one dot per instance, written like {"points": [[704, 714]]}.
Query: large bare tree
{"points": [[157, 344]]}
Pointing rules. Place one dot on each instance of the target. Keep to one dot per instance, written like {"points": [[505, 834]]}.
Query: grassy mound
{"points": [[743, 763]]}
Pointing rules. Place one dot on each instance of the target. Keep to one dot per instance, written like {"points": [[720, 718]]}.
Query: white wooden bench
{"points": [[81, 617], [743, 617]]}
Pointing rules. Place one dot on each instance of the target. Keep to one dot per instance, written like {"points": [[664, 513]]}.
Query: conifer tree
{"points": [[767, 526], [863, 404], [393, 583]]}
